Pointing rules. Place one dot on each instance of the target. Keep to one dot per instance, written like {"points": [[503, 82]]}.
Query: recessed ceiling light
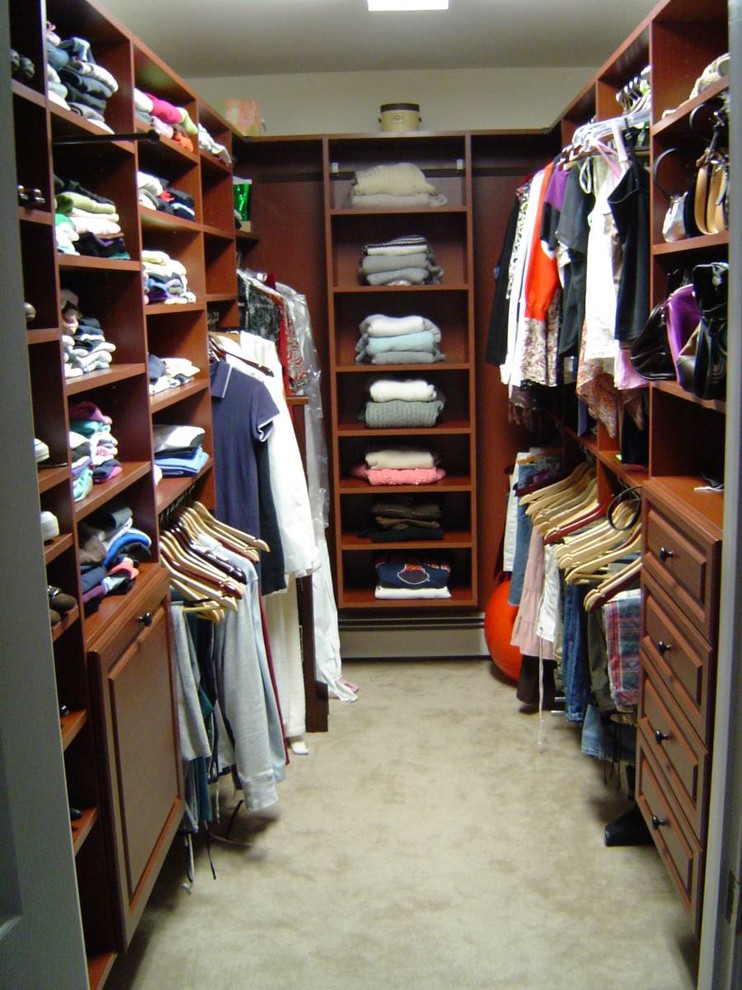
{"points": [[379, 5]]}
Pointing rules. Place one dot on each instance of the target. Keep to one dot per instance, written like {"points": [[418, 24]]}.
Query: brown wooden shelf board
{"points": [[94, 379], [131, 471], [82, 827], [169, 489], [50, 477], [55, 547], [99, 968], [71, 725], [68, 620], [176, 394], [98, 264], [459, 540]]}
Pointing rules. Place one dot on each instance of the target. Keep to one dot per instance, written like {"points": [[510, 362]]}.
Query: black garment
{"points": [[629, 203], [573, 232], [497, 338], [528, 690]]}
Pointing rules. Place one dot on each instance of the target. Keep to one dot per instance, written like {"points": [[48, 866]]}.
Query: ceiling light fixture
{"points": [[383, 5]]}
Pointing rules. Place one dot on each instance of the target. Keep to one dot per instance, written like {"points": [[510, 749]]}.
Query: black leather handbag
{"points": [[650, 353]]}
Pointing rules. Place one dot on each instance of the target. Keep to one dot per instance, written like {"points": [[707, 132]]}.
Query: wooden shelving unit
{"points": [[115, 663]]}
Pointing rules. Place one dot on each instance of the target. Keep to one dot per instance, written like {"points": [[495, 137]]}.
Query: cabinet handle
{"points": [[660, 736], [665, 554], [658, 822], [145, 619], [663, 647]]}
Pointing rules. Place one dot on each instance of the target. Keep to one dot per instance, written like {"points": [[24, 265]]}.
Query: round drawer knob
{"points": [[660, 736], [658, 822], [145, 619], [663, 647], [665, 554]]}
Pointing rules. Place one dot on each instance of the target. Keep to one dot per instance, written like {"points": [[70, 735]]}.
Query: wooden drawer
{"points": [[684, 760], [685, 562], [679, 848], [684, 660], [134, 613]]}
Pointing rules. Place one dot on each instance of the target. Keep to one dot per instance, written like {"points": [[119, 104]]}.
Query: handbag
{"points": [[679, 220], [682, 317], [710, 367], [710, 196], [650, 353]]}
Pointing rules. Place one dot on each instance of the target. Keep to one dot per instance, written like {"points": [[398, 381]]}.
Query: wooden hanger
{"points": [[612, 585]]}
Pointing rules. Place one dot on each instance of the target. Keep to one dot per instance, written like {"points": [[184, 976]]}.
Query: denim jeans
{"points": [[575, 669]]}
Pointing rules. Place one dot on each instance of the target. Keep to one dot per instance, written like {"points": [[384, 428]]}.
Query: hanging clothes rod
{"points": [[151, 135]]}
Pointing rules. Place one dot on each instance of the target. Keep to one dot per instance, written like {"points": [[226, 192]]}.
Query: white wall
{"points": [[348, 102]]}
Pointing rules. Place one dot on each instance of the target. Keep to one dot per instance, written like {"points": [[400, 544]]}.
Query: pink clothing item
{"points": [[398, 476], [524, 629], [164, 110]]}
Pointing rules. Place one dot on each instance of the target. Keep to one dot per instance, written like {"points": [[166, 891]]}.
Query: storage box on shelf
{"points": [[445, 162]]}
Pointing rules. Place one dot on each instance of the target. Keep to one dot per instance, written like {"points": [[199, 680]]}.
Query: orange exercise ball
{"points": [[499, 618]]}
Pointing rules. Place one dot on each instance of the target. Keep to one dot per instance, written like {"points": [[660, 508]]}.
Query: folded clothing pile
{"points": [[169, 372], [87, 420], [165, 279], [207, 143], [401, 261], [157, 194], [401, 466], [86, 223], [76, 81], [165, 118], [412, 403], [178, 450], [398, 340], [389, 186], [401, 576], [85, 346], [403, 518], [111, 548]]}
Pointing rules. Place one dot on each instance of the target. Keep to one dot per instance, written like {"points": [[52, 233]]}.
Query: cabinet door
{"points": [[137, 689]]}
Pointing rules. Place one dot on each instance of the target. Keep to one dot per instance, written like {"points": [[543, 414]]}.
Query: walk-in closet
{"points": [[370, 602]]}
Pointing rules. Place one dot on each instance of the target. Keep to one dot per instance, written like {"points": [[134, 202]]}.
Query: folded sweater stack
{"points": [[94, 427], [165, 118], [75, 80], [165, 279], [398, 340], [169, 372], [400, 466], [85, 346], [401, 261], [401, 577], [157, 194], [87, 223], [178, 450], [403, 518], [412, 403], [390, 186], [111, 548]]}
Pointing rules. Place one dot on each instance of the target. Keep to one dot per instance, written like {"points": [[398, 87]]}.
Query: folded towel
{"points": [[423, 341], [402, 179], [405, 415], [410, 390], [403, 357], [408, 457], [398, 476]]}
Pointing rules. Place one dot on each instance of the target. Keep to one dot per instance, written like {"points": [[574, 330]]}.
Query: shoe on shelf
{"points": [[60, 601], [54, 617], [30, 311], [41, 450], [49, 526]]}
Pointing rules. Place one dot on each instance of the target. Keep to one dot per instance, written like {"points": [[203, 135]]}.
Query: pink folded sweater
{"points": [[398, 476]]}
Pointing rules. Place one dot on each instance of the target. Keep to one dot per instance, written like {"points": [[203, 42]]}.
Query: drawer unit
{"points": [[676, 843], [683, 659], [682, 757], [685, 562]]}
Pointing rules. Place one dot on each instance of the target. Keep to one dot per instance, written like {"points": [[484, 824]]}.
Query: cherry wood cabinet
{"points": [[113, 666]]}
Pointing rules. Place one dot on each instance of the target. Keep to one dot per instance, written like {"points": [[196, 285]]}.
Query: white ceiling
{"points": [[206, 38]]}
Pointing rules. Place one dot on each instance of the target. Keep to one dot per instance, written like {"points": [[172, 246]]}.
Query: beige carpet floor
{"points": [[425, 842]]}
